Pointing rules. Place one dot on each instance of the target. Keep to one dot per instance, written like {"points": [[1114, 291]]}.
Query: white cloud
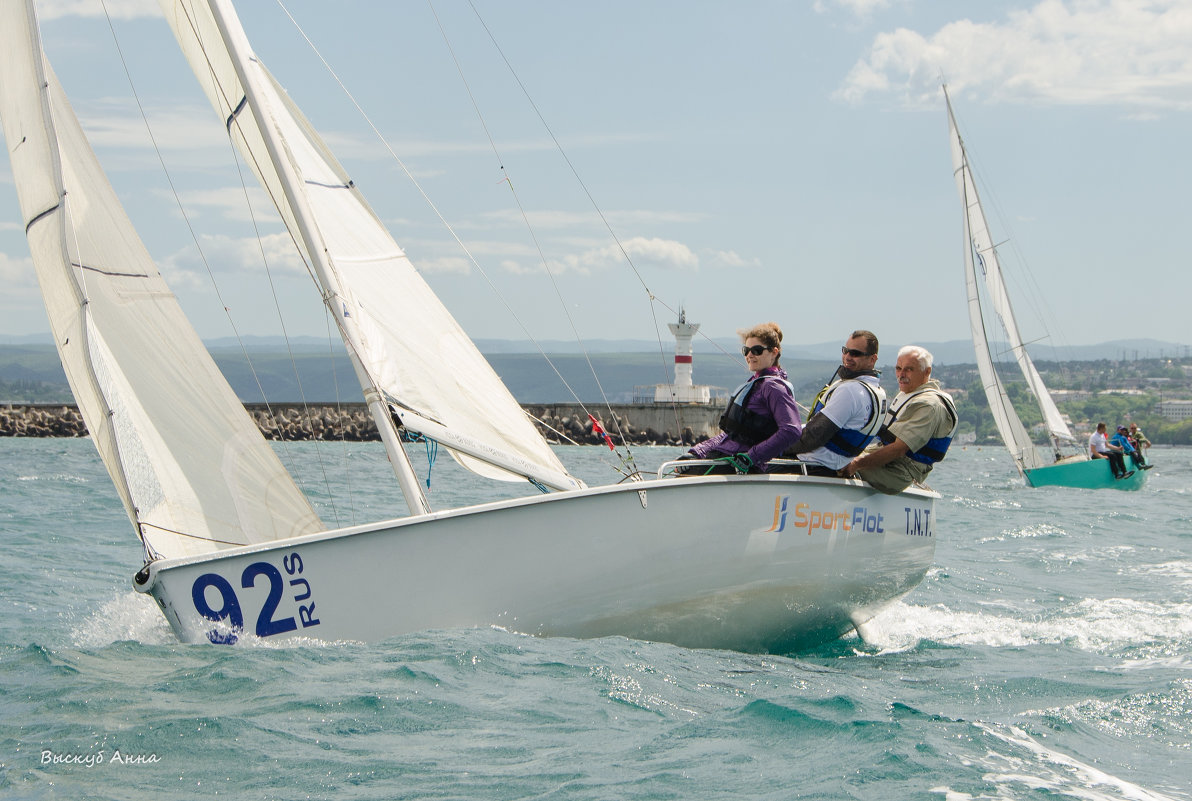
{"points": [[17, 272], [224, 254], [1135, 53], [549, 220], [117, 123], [229, 203], [858, 8], [118, 9], [664, 254], [731, 260], [447, 264]]}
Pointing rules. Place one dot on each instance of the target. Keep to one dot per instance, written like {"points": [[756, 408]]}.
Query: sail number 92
{"points": [[227, 608]]}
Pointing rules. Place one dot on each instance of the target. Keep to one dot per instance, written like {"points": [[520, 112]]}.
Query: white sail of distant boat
{"points": [[981, 256], [191, 467], [751, 562]]}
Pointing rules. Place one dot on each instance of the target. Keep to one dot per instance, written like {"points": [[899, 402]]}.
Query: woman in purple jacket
{"points": [[762, 419]]}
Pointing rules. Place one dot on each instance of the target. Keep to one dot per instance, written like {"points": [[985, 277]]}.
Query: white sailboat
{"points": [[233, 549], [1039, 467]]}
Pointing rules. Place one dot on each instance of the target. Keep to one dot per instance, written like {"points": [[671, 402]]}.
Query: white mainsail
{"points": [[407, 347], [193, 471], [980, 252]]}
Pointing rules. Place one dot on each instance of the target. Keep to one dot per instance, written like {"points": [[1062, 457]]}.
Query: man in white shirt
{"points": [[1099, 448], [848, 411]]}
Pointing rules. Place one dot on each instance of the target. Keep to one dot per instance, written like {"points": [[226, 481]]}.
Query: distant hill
{"points": [[957, 351], [30, 370]]}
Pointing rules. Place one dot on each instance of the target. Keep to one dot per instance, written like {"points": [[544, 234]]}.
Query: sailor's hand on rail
{"points": [[741, 462]]}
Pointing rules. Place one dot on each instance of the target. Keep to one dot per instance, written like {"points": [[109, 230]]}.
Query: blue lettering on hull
{"points": [[229, 612], [918, 522]]}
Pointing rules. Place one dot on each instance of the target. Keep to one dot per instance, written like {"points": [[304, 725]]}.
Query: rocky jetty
{"points": [[558, 423], [564, 425], [41, 421]]}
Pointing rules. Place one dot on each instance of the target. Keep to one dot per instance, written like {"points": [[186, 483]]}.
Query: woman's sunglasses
{"points": [[756, 350]]}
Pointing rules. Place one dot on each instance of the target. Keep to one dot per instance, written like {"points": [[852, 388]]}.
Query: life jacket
{"points": [[848, 441], [745, 426], [937, 447]]}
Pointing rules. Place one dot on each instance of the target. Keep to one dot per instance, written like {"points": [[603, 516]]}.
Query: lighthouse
{"points": [[682, 390]]}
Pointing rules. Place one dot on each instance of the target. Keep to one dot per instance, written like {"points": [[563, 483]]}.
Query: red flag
{"points": [[599, 429]]}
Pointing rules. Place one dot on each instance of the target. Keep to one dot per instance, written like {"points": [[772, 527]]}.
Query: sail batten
{"points": [[405, 343], [190, 466]]}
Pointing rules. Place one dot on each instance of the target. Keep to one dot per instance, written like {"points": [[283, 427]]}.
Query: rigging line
{"points": [[529, 227], [343, 429], [1034, 296], [608, 226], [567, 159], [286, 449], [281, 321], [426, 198], [190, 227]]}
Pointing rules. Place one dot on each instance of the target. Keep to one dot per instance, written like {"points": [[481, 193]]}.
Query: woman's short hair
{"points": [[769, 333]]}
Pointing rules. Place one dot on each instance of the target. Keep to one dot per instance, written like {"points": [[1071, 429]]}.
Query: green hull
{"points": [[1089, 474]]}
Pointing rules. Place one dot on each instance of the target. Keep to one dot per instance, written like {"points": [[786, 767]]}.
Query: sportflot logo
{"points": [[807, 519], [779, 513]]}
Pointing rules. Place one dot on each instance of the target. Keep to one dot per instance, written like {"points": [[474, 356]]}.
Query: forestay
{"points": [[404, 342], [193, 471], [982, 253]]}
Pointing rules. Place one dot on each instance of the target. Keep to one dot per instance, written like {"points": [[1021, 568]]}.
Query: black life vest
{"points": [[745, 426]]}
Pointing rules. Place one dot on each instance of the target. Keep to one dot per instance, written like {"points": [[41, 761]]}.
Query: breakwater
{"points": [[560, 423]]}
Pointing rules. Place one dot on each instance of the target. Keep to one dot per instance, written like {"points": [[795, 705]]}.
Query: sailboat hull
{"points": [[1087, 474], [750, 563]]}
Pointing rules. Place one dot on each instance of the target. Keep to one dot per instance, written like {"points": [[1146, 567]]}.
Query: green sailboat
{"points": [[1066, 463]]}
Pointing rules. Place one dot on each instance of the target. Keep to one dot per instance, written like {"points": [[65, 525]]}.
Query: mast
{"points": [[238, 46], [980, 251]]}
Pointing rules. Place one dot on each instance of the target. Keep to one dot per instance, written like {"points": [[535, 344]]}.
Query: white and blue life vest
{"points": [[848, 441]]}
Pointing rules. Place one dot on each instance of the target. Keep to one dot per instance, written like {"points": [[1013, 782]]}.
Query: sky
{"points": [[606, 164]]}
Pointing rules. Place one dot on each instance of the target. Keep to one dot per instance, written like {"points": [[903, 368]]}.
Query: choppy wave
{"points": [[1046, 655]]}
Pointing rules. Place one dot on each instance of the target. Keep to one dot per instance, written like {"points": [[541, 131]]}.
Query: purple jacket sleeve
{"points": [[702, 449], [773, 398]]}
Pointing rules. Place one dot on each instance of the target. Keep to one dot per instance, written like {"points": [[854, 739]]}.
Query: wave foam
{"points": [[131, 616], [1089, 624]]}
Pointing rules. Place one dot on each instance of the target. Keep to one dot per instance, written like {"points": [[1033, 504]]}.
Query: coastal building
{"points": [[1175, 409]]}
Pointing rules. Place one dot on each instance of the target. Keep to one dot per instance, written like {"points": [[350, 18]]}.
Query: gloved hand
{"points": [[740, 462]]}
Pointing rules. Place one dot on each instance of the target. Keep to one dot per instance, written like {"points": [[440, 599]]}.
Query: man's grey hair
{"points": [[922, 355]]}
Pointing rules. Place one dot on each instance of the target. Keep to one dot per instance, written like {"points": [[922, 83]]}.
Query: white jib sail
{"points": [[981, 253], [409, 345], [191, 467]]}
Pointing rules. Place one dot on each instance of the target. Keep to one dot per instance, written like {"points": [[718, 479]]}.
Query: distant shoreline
{"points": [[559, 423]]}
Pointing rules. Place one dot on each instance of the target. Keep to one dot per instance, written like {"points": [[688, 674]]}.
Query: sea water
{"points": [[1048, 654]]}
